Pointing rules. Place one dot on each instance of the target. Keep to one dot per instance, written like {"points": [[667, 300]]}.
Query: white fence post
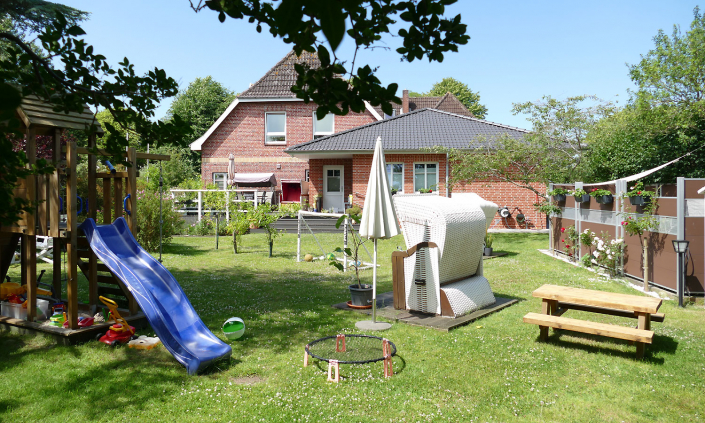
{"points": [[200, 204]]}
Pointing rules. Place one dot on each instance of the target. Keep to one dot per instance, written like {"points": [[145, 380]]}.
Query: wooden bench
{"points": [[556, 300]]}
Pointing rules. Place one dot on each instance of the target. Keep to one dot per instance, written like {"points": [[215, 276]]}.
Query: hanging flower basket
{"points": [[640, 200], [585, 198], [559, 198], [605, 199]]}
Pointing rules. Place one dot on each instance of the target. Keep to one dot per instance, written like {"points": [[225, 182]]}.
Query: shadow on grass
{"points": [[661, 344], [348, 370]]}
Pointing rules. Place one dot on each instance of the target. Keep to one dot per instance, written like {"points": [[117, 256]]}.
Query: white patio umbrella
{"points": [[231, 170], [379, 221]]}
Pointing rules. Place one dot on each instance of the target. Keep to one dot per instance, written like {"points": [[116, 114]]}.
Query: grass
{"points": [[491, 370]]}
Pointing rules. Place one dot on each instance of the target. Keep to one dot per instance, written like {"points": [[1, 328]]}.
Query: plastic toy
{"points": [[330, 256], [119, 333], [234, 328], [83, 322], [308, 257], [59, 316], [144, 342]]}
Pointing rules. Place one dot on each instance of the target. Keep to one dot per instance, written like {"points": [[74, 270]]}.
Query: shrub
{"points": [[355, 209], [148, 220], [290, 209]]}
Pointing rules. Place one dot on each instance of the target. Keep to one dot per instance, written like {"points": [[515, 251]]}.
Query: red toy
{"points": [[121, 332], [83, 322]]}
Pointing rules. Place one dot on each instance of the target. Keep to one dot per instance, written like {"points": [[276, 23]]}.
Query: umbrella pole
{"points": [[374, 285]]}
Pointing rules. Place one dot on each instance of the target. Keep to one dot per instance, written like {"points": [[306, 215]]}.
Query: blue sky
{"points": [[519, 51]]}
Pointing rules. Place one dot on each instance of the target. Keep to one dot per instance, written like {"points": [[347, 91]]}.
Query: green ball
{"points": [[330, 256]]}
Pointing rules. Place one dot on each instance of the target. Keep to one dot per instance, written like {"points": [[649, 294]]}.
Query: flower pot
{"points": [[488, 251], [639, 200], [559, 198], [361, 296], [585, 198], [604, 199]]}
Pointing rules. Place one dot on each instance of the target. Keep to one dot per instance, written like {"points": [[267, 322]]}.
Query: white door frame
{"points": [[336, 200]]}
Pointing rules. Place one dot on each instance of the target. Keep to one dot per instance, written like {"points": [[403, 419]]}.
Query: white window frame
{"points": [[390, 175], [434, 186], [274, 134], [318, 134], [224, 180]]}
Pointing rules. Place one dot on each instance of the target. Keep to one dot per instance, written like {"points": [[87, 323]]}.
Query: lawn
{"points": [[491, 370]]}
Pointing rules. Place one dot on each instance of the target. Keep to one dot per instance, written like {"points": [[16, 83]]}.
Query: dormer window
{"points": [[275, 128], [323, 127]]}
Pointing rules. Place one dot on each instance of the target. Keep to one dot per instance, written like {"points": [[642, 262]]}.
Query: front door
{"points": [[333, 190]]}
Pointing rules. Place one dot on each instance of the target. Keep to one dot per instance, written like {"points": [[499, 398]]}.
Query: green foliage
{"points": [[34, 15], [355, 209], [598, 192], [175, 171], [609, 253], [423, 29], [573, 239], [203, 227], [148, 220], [548, 208], [238, 226], [289, 209], [558, 191], [489, 240], [673, 73], [199, 106], [638, 190], [470, 99], [578, 192], [355, 240]]}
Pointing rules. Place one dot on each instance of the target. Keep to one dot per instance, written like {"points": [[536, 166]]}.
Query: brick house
{"points": [[339, 163], [267, 118], [268, 130]]}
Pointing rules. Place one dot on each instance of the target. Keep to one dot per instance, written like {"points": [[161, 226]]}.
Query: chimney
{"points": [[405, 101]]}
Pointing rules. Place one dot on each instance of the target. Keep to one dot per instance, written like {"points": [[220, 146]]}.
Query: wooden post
{"points": [[132, 190], [29, 239], [646, 264], [71, 227], [54, 212], [117, 196], [92, 206], [107, 201]]}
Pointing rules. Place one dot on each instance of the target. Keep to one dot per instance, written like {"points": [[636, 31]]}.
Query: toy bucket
{"points": [[234, 328]]}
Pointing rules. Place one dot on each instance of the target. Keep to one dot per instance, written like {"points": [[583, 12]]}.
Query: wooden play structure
{"points": [[120, 194]]}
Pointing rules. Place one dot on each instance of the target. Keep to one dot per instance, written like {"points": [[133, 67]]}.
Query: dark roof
{"points": [[446, 103], [413, 131], [277, 82]]}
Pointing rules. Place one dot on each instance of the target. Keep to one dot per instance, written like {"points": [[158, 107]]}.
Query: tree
{"points": [[200, 105], [305, 23], [673, 73], [470, 99], [552, 152]]}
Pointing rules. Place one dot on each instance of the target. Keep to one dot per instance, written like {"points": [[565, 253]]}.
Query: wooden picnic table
{"points": [[559, 299]]}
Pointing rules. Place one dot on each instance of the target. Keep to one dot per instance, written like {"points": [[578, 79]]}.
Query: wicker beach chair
{"points": [[441, 272]]}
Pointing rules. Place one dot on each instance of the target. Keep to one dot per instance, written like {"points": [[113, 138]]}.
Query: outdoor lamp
{"points": [[681, 247]]}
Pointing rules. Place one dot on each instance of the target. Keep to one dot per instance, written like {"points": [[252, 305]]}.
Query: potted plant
{"points": [[580, 195], [360, 294], [602, 196], [489, 240], [638, 196], [558, 194], [317, 203]]}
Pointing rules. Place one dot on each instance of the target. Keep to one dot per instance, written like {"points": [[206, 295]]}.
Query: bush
{"points": [[148, 220], [289, 209], [355, 209]]}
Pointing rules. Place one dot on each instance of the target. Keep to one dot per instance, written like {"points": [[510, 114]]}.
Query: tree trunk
{"points": [[235, 242], [271, 243]]}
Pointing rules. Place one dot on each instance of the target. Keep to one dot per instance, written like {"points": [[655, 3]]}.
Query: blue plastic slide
{"points": [[160, 297]]}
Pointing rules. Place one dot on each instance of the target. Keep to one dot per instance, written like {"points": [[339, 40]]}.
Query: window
{"points": [[323, 127], [425, 176], [220, 179], [395, 176], [275, 128], [333, 180], [306, 176]]}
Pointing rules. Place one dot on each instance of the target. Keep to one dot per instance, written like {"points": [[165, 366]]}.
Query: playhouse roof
{"points": [[409, 132], [40, 114]]}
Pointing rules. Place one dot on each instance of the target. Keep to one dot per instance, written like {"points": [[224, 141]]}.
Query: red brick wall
{"points": [[242, 134], [507, 194]]}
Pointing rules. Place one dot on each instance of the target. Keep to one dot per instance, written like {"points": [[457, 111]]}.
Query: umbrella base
{"points": [[370, 325]]}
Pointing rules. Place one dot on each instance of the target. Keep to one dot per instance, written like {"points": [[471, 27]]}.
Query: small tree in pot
{"points": [[360, 294]]}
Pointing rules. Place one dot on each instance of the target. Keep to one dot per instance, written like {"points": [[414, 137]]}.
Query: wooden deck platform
{"points": [[65, 336], [385, 309]]}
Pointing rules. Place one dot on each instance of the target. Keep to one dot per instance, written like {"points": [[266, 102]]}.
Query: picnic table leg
{"points": [[645, 324], [547, 307]]}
